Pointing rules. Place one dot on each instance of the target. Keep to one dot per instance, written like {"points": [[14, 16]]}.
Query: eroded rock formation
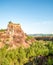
{"points": [[14, 36]]}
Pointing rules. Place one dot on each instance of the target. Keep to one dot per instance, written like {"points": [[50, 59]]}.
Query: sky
{"points": [[34, 16]]}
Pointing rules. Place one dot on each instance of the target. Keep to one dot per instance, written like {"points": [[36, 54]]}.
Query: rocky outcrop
{"points": [[14, 36]]}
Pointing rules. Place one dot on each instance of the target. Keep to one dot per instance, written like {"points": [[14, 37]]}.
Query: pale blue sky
{"points": [[35, 16]]}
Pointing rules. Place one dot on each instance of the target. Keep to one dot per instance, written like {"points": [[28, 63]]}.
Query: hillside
{"points": [[14, 36], [18, 48]]}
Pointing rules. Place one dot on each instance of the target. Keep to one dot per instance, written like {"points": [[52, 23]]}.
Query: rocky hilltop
{"points": [[13, 36]]}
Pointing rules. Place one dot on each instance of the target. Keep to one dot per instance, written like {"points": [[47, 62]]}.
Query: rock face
{"points": [[14, 35]]}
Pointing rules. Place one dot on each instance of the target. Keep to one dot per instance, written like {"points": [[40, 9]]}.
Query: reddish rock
{"points": [[14, 36]]}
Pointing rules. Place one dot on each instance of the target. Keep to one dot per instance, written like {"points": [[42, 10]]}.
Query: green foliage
{"points": [[10, 22], [50, 61], [2, 30], [50, 47], [29, 37], [5, 62], [21, 56]]}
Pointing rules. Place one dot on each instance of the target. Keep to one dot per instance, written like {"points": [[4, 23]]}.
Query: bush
{"points": [[23, 56]]}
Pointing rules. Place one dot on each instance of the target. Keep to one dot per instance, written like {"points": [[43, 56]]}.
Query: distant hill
{"points": [[45, 37], [40, 34]]}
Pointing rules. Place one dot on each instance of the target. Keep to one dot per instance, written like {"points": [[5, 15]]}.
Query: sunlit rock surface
{"points": [[13, 36]]}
